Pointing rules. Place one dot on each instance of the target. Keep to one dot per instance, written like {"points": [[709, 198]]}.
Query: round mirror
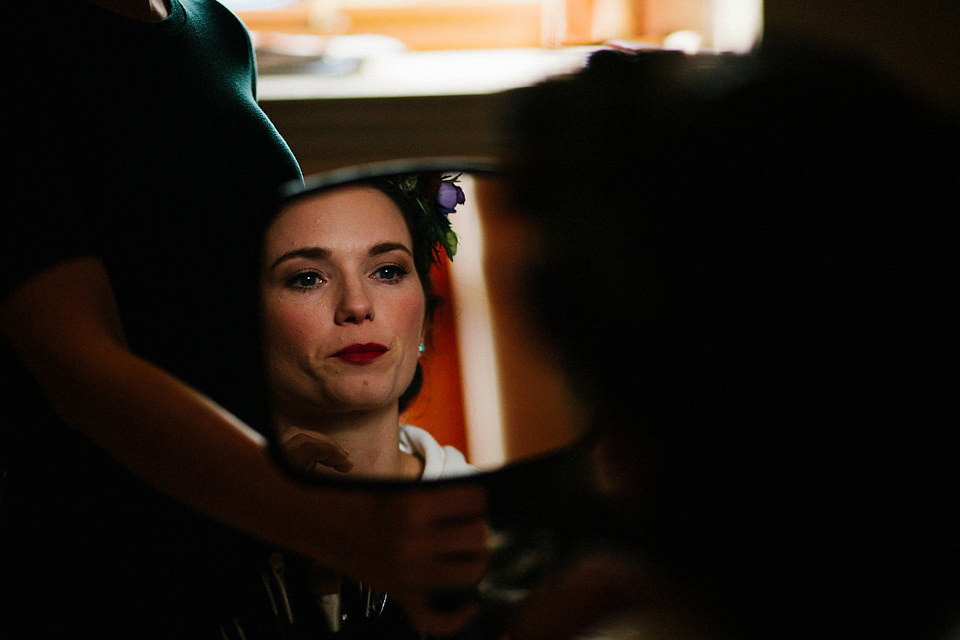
{"points": [[396, 342]]}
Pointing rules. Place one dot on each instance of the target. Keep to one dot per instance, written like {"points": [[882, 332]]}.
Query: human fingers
{"points": [[448, 533], [454, 556], [442, 548], [446, 508], [308, 449]]}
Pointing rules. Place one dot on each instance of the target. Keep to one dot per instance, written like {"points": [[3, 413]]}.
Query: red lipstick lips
{"points": [[361, 353]]}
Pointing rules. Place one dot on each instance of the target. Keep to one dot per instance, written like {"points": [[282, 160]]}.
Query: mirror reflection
{"points": [[378, 335]]}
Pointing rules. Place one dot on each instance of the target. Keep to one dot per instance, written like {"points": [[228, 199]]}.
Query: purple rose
{"points": [[449, 196]]}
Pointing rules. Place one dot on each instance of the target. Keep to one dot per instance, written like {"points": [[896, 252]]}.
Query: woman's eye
{"points": [[390, 272], [304, 280]]}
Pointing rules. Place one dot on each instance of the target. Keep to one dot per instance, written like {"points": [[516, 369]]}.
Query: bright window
{"points": [[471, 24]]}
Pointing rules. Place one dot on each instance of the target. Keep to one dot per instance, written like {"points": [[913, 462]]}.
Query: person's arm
{"points": [[63, 322]]}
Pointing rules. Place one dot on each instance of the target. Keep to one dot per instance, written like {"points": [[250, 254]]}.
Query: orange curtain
{"points": [[439, 407]]}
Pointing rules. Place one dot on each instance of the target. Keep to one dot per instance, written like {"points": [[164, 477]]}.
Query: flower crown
{"points": [[433, 198]]}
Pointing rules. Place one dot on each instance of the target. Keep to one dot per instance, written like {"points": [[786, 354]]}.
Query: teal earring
{"points": [[422, 348]]}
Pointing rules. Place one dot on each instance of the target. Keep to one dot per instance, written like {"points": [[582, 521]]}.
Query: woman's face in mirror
{"points": [[343, 306]]}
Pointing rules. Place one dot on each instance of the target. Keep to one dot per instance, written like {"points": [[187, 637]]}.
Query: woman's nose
{"points": [[354, 305]]}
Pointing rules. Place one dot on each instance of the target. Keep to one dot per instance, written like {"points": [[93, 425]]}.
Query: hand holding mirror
{"points": [[347, 301]]}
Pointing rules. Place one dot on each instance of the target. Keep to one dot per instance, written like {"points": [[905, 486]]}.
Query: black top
{"points": [[141, 144]]}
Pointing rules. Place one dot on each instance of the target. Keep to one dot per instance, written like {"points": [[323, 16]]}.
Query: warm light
{"points": [[481, 388], [256, 5], [685, 40], [736, 24], [725, 25]]}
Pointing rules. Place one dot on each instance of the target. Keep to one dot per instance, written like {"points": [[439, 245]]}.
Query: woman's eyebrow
{"points": [[386, 247], [313, 253], [319, 253]]}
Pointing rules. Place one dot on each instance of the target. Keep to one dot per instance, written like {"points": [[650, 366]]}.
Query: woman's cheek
{"points": [[295, 327]]}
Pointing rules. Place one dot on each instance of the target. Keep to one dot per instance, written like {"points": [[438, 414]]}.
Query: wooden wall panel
{"points": [[327, 134]]}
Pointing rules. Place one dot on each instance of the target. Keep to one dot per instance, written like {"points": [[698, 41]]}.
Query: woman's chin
{"points": [[365, 402]]}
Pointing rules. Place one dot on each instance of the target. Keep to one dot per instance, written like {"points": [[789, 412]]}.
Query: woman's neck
{"points": [[372, 440]]}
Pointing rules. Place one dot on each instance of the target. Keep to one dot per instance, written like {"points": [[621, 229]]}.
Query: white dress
{"points": [[438, 461]]}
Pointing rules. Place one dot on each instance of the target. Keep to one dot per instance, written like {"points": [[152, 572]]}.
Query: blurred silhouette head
{"points": [[748, 263]]}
